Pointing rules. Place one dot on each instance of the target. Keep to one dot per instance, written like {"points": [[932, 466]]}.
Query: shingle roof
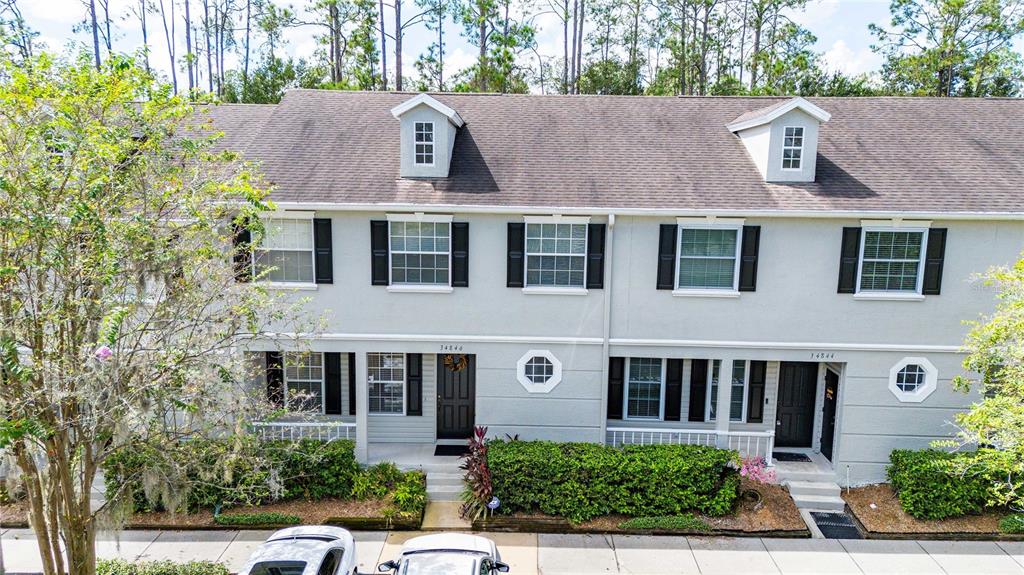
{"points": [[876, 154]]}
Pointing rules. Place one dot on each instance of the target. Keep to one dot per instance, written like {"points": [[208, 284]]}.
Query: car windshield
{"points": [[451, 563], [278, 568]]}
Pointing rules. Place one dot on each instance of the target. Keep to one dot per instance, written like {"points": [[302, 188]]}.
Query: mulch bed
{"points": [[878, 510], [774, 516], [353, 514]]}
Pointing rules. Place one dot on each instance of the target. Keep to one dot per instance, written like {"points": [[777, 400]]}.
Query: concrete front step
{"points": [[443, 492], [819, 502], [809, 476], [444, 479], [798, 488]]}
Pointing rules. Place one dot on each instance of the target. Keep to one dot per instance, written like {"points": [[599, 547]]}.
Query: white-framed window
{"points": [[386, 381], [892, 260], [556, 253], [709, 257], [424, 136], [792, 147], [645, 389], [738, 399], [420, 252], [304, 381], [285, 254], [913, 379], [539, 371]]}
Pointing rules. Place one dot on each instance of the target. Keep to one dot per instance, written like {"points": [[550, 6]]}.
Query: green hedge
{"points": [[580, 481], [257, 518], [234, 471], [929, 487], [119, 567], [1013, 524]]}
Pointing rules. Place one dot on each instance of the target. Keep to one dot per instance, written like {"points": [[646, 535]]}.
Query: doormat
{"points": [[790, 457], [451, 450], [836, 525]]}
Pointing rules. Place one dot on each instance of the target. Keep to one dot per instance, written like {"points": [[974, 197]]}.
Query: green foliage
{"points": [[580, 481], [376, 481], [121, 567], [686, 522], [257, 518], [1013, 524], [410, 493], [930, 485]]}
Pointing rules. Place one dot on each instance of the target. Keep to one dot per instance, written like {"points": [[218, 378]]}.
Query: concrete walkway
{"points": [[533, 554]]}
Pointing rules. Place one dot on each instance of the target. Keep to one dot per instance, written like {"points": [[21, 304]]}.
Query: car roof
{"points": [[449, 542], [307, 543]]}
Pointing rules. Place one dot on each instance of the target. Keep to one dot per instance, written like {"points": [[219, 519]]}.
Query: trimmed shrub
{"points": [[676, 522], [257, 518], [580, 481], [929, 485], [1012, 524], [120, 567]]}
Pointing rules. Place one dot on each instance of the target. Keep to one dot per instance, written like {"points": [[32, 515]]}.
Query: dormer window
{"points": [[792, 147], [424, 143]]}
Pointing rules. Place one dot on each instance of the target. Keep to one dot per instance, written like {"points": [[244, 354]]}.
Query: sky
{"points": [[841, 27]]}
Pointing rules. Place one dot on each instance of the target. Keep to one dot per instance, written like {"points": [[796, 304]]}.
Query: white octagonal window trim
{"points": [[913, 379], [539, 371]]}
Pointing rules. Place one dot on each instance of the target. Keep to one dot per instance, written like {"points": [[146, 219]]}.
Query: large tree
{"points": [[120, 313]]}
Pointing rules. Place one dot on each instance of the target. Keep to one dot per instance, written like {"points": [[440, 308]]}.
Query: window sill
{"points": [[883, 296], [420, 289], [705, 293], [539, 290], [297, 286]]}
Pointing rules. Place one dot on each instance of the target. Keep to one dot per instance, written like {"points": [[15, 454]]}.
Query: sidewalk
{"points": [[533, 554]]}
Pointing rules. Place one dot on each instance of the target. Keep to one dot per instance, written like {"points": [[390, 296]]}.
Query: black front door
{"points": [[828, 413], [456, 395], [794, 414]]}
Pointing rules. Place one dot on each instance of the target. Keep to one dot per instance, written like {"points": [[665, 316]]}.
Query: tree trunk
{"points": [[398, 45], [188, 47], [383, 49], [145, 34], [579, 46], [482, 57], [440, 46], [248, 31], [95, 33], [206, 33], [169, 35], [565, 46]]}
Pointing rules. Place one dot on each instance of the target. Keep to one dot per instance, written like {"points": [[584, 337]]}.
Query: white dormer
{"points": [[428, 130], [782, 139]]}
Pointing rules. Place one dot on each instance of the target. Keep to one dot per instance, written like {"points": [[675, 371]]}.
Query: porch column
{"points": [[362, 407], [722, 419]]}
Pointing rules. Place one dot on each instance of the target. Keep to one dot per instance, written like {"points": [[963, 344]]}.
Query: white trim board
{"points": [[787, 345]]}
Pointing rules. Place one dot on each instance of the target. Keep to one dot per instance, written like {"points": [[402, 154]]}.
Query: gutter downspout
{"points": [[609, 250]]}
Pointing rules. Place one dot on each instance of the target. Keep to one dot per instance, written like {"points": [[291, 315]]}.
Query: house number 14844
{"points": [[451, 347], [823, 355]]}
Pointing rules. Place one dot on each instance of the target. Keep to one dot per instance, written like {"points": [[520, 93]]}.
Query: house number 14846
{"points": [[823, 355], [451, 347]]}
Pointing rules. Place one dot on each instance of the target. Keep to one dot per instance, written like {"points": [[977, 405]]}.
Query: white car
{"points": [[305, 550], [447, 554]]}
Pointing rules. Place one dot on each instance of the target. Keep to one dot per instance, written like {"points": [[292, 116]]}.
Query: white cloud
{"points": [[840, 57], [815, 13]]}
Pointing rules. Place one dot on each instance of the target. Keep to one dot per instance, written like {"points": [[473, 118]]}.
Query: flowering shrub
{"points": [[755, 469]]}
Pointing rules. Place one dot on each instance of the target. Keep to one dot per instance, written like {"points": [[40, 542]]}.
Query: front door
{"points": [[456, 395], [794, 414], [828, 413]]}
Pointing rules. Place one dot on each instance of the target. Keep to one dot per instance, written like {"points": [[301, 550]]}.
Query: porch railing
{"points": [[293, 430], [747, 443]]}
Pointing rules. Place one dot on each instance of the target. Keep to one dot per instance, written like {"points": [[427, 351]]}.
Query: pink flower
{"points": [[755, 469], [103, 353]]}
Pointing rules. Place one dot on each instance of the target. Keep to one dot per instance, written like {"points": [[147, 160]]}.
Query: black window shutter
{"points": [[242, 256], [324, 264], [748, 257], [667, 256], [698, 388], [379, 252], [460, 254], [616, 383], [351, 383], [755, 391], [673, 389], [595, 256], [516, 247], [275, 378], [849, 260], [934, 257], [414, 384], [332, 383]]}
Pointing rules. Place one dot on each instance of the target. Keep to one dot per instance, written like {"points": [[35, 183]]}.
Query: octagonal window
{"points": [[539, 371], [913, 379]]}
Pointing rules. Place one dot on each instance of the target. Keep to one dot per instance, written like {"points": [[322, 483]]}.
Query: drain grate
{"points": [[836, 525], [790, 457]]}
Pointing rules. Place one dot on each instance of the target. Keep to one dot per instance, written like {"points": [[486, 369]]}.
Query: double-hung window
{"points": [[556, 253], [424, 136], [420, 252], [285, 254], [792, 147], [304, 381], [892, 260], [738, 399], [709, 257], [386, 373], [644, 388]]}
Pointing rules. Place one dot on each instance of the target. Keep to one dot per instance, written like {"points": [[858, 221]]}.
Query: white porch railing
{"points": [[293, 430], [747, 443]]}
